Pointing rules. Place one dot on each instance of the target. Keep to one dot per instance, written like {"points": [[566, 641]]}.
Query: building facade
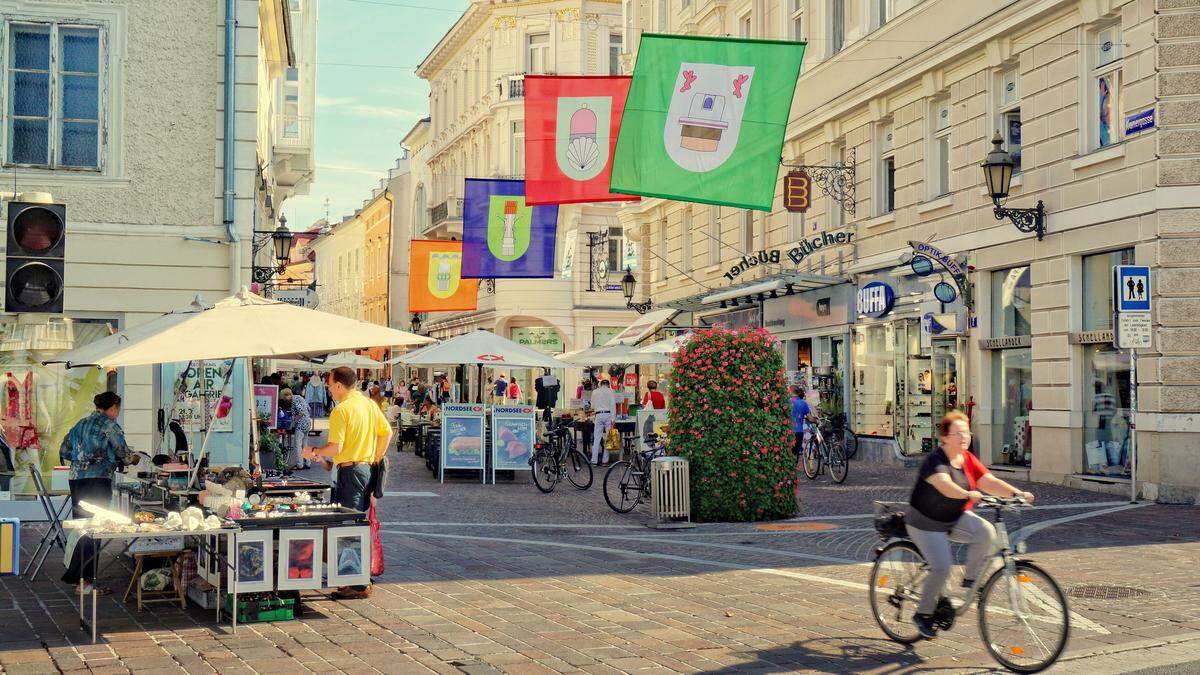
{"points": [[339, 260], [476, 129], [1095, 100]]}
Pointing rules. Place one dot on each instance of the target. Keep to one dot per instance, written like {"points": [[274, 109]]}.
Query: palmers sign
{"points": [[795, 254]]}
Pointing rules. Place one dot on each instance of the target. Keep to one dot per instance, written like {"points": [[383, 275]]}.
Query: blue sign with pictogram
{"points": [[1131, 288]]}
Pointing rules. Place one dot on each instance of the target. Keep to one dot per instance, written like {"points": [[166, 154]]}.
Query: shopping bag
{"points": [[376, 540]]}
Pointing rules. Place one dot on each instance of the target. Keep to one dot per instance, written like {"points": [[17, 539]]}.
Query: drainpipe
{"points": [[235, 247]]}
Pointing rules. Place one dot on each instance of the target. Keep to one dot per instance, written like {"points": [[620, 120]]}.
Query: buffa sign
{"points": [[796, 253]]}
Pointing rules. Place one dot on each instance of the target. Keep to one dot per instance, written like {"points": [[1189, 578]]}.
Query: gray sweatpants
{"points": [[976, 532]]}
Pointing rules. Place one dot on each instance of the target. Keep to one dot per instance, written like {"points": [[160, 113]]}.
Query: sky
{"points": [[368, 96]]}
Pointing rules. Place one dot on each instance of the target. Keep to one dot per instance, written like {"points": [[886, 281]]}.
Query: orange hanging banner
{"points": [[435, 282]]}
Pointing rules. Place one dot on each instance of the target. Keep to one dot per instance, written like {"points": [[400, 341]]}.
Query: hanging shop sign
{"points": [[542, 338], [926, 253], [796, 254], [462, 438], [797, 191], [875, 299], [818, 308], [513, 431]]}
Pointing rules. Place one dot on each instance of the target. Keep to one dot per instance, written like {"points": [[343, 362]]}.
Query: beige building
{"points": [[1097, 101], [477, 129], [340, 264]]}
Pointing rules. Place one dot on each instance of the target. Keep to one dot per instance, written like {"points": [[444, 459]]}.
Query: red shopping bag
{"points": [[376, 541]]}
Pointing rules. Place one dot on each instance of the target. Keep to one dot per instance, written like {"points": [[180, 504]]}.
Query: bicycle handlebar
{"points": [[1003, 502]]}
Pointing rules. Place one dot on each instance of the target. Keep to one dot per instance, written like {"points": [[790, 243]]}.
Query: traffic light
{"points": [[797, 191], [37, 242]]}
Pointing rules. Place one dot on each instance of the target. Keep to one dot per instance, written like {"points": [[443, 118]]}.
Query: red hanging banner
{"points": [[571, 125]]}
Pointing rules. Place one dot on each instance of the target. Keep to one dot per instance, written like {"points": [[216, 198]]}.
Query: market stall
{"points": [[291, 523]]}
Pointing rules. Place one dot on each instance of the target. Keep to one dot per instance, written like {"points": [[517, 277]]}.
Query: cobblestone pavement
{"points": [[503, 578]]}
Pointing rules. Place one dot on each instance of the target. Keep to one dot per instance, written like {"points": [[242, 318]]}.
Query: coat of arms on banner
{"points": [[509, 221], [705, 114], [582, 152], [444, 273]]}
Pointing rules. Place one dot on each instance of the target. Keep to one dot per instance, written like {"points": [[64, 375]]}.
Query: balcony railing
{"points": [[293, 130], [451, 209], [510, 87]]}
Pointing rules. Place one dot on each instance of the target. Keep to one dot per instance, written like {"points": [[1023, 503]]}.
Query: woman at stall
{"points": [[298, 431]]}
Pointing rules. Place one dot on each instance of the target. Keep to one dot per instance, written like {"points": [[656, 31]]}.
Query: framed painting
{"points": [[299, 559], [349, 556], [255, 553]]}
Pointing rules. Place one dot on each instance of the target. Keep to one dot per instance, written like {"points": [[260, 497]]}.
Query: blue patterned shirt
{"points": [[93, 447]]}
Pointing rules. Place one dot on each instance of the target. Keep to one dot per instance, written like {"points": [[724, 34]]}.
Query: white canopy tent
{"points": [[240, 326], [348, 359], [668, 346], [480, 348], [613, 354]]}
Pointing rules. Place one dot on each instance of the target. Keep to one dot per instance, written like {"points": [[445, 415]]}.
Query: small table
{"points": [[99, 539]]}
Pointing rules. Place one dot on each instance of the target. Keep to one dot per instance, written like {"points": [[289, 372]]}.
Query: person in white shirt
{"points": [[603, 402]]}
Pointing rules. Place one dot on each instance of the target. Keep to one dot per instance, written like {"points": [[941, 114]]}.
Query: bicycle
{"points": [[556, 457], [627, 482], [817, 453], [1017, 593]]}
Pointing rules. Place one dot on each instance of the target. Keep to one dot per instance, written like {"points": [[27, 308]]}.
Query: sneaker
{"points": [[967, 583], [349, 593], [924, 624]]}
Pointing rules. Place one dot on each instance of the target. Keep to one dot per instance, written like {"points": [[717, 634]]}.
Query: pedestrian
{"points": [[359, 436], [603, 401], [654, 399], [416, 394], [388, 389], [499, 389], [297, 431], [514, 392], [800, 412], [296, 385], [96, 449], [376, 395]]}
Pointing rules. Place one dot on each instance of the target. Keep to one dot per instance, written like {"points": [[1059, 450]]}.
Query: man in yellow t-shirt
{"points": [[359, 435]]}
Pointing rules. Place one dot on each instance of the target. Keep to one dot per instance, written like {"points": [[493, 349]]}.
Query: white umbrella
{"points": [[348, 359], [668, 346], [243, 325], [480, 348], [613, 354]]}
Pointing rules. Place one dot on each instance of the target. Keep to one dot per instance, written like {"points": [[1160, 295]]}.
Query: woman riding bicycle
{"points": [[949, 481]]}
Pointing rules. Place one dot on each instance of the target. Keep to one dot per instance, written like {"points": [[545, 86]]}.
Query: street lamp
{"points": [[281, 239], [997, 174], [415, 322], [628, 285]]}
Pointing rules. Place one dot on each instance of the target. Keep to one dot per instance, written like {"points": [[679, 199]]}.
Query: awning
{"points": [[753, 291], [609, 355], [480, 348], [643, 327]]}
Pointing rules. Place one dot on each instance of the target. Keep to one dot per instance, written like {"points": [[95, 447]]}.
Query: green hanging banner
{"points": [[705, 119]]}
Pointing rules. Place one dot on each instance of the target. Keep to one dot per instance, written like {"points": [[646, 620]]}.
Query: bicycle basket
{"points": [[889, 520]]}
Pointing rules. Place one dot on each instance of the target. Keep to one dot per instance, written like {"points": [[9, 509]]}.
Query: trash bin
{"points": [[670, 493]]}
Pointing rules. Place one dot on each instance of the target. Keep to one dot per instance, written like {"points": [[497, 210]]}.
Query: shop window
{"points": [[1011, 309], [1012, 377], [1106, 376], [1104, 88], [874, 380], [1009, 114], [1097, 287]]}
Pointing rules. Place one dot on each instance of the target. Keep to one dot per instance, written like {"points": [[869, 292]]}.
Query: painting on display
{"points": [[503, 235], [255, 558], [571, 125], [650, 422], [705, 119], [299, 559], [349, 562], [435, 280]]}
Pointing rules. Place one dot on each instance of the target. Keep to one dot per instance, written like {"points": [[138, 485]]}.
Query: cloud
{"points": [[333, 101], [346, 105], [354, 169]]}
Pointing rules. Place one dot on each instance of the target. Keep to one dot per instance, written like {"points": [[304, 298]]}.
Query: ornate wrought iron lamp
{"points": [[997, 173], [628, 286]]}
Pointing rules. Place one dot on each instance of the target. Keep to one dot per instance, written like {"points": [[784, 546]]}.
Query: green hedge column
{"points": [[729, 418]]}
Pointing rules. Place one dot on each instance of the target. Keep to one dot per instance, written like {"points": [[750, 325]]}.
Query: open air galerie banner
{"points": [[571, 124], [503, 235], [705, 119]]}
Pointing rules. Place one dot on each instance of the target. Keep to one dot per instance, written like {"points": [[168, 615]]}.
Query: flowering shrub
{"points": [[729, 418]]}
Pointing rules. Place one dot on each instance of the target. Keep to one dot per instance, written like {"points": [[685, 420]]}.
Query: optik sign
{"points": [[875, 299]]}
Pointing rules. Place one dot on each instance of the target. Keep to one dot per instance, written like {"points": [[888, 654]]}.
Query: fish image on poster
{"points": [[705, 115], [443, 274], [582, 151], [509, 220]]}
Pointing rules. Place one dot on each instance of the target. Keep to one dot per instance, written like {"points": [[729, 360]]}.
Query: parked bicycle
{"points": [[839, 432], [1023, 616], [627, 482], [555, 458], [816, 453]]}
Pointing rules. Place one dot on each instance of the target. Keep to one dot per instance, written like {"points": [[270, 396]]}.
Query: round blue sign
{"points": [[922, 266], [944, 292], [875, 299]]}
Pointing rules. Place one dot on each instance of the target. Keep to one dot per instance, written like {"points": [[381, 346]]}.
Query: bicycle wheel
{"points": [[896, 581], [1023, 618], [621, 489], [839, 466], [849, 443], [579, 470], [545, 471], [811, 459]]}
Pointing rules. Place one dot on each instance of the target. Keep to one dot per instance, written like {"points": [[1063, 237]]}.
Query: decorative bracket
{"points": [[489, 285], [640, 307], [835, 180], [1026, 220]]}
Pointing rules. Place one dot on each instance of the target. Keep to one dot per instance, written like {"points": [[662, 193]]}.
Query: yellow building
{"points": [[376, 215]]}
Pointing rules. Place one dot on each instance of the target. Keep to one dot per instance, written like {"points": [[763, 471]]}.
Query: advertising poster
{"points": [[513, 433], [266, 403], [651, 422], [195, 387], [462, 438]]}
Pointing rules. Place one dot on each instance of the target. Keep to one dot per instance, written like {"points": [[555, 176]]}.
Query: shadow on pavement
{"points": [[836, 655]]}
